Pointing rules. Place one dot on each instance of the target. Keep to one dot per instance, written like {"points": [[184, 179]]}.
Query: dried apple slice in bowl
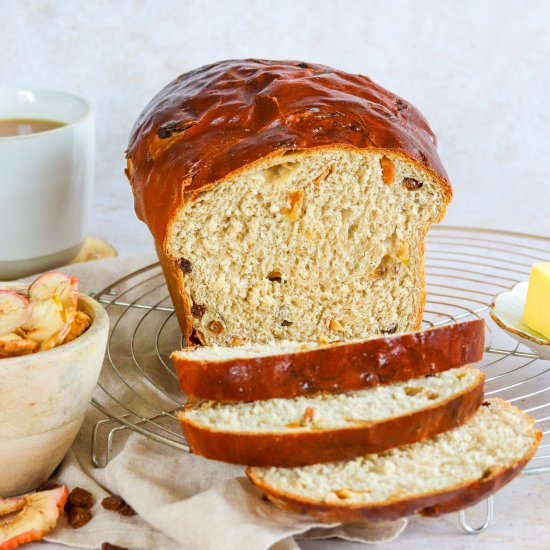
{"points": [[53, 299], [14, 311], [45, 394], [14, 344], [55, 285], [41, 317]]}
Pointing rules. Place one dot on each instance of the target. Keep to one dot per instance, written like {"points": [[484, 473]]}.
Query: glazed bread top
{"points": [[221, 118]]}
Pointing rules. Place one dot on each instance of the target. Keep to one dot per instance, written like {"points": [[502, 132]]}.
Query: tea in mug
{"points": [[10, 127]]}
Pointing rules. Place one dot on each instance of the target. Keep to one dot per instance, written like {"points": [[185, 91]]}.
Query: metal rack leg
{"points": [[477, 530], [102, 461]]}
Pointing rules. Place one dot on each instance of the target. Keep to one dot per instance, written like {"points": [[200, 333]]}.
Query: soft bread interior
{"points": [[216, 353], [497, 437], [326, 244], [334, 411]]}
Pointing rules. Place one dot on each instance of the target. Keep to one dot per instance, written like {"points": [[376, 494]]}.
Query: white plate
{"points": [[507, 312]]}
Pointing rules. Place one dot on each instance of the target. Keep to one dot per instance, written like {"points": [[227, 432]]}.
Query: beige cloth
{"points": [[183, 501]]}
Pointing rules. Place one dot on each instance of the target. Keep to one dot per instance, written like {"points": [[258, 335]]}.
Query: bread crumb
{"points": [[217, 327]]}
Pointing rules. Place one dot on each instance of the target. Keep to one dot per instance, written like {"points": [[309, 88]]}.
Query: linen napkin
{"points": [[183, 502]]}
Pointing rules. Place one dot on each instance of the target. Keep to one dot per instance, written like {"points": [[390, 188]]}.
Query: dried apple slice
{"points": [[14, 311], [47, 318], [53, 304], [49, 285], [36, 516], [55, 284], [57, 338], [10, 505], [79, 325], [14, 344], [73, 293]]}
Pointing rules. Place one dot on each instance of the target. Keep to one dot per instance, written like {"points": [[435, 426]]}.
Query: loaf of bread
{"points": [[288, 201], [450, 472], [288, 369], [326, 427]]}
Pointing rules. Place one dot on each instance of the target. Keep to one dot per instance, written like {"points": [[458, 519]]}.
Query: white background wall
{"points": [[479, 70]]}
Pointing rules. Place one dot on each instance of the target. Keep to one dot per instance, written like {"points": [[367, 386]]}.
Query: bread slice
{"points": [[325, 427], [288, 369], [449, 472], [288, 201]]}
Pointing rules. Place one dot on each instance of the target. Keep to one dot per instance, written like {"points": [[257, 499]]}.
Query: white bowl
{"points": [[507, 312], [43, 399]]}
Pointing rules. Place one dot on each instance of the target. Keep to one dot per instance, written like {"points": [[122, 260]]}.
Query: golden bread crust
{"points": [[223, 118], [341, 367], [287, 449]]}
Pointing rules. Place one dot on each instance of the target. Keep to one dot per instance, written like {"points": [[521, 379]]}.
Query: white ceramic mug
{"points": [[46, 182]]}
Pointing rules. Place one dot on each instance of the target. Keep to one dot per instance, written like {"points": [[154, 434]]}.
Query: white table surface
{"points": [[477, 69]]}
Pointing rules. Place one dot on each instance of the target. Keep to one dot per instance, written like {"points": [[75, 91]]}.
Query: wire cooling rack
{"points": [[465, 268]]}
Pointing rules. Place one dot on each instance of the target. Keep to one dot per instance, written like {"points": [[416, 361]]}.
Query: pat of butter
{"points": [[537, 306]]}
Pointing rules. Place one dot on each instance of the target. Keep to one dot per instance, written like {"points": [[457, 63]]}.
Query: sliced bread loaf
{"points": [[449, 472], [288, 201], [288, 369], [325, 427]]}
